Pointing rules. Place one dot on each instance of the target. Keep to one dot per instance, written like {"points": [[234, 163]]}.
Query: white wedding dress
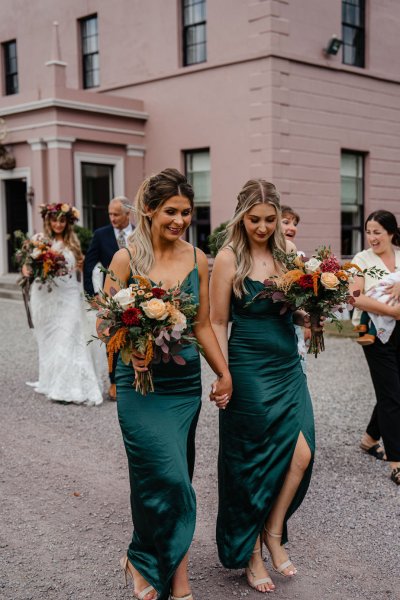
{"points": [[66, 363]]}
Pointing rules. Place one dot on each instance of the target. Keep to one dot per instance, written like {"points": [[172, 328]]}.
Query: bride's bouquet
{"points": [[319, 285], [148, 320], [43, 263]]}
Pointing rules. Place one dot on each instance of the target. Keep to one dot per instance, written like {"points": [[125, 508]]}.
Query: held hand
{"points": [[302, 318], [138, 362], [394, 293], [26, 271], [93, 301], [221, 391]]}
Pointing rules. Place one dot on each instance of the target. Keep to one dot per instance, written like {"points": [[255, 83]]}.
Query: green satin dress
{"points": [[269, 408], [158, 431]]}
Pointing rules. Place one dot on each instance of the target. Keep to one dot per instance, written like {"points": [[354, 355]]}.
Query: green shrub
{"points": [[85, 237], [217, 238]]}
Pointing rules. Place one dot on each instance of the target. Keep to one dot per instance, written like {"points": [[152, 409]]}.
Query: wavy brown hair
{"points": [[254, 191], [154, 191], [70, 239]]}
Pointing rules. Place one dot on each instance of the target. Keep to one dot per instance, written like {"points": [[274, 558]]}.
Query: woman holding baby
{"points": [[381, 348]]}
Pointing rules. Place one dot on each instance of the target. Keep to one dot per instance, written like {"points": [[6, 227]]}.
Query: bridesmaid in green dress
{"points": [[267, 431], [158, 429]]}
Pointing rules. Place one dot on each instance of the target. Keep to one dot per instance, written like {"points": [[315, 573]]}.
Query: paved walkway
{"points": [[64, 494]]}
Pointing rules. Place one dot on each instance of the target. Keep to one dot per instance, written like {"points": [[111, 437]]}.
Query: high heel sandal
{"points": [[256, 582], [138, 595], [285, 565], [188, 597]]}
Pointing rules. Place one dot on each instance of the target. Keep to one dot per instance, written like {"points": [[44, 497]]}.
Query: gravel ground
{"points": [[64, 496]]}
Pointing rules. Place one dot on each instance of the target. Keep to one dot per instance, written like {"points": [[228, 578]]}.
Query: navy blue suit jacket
{"points": [[101, 250]]}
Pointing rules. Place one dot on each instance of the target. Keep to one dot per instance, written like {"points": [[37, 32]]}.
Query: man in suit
{"points": [[105, 243]]}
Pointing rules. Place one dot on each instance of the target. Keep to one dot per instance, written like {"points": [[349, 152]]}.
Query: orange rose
{"points": [[329, 281]]}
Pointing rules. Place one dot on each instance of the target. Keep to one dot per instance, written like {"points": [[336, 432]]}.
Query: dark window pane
{"points": [[90, 52], [352, 200], [194, 31], [353, 32], [97, 191], [10, 67]]}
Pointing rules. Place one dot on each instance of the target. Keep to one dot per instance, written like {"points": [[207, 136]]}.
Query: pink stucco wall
{"points": [[268, 102]]}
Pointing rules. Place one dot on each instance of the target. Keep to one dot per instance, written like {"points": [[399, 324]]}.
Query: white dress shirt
{"points": [[127, 231]]}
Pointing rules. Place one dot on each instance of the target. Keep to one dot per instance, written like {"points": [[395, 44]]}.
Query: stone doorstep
{"points": [[9, 288], [11, 294]]}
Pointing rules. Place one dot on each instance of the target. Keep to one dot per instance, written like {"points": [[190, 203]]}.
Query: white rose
{"points": [[312, 265], [36, 253], [37, 237], [155, 309], [124, 298]]}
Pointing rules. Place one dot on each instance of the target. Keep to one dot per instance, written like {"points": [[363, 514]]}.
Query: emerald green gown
{"points": [[269, 408], [158, 431]]}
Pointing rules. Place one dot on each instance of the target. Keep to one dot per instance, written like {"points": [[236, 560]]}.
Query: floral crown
{"points": [[60, 210]]}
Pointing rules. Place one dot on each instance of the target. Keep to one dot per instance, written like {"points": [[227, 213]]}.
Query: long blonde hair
{"points": [[154, 191], [70, 239], [254, 191]]}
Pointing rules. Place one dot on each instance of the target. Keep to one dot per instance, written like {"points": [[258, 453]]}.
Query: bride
{"points": [[66, 369]]}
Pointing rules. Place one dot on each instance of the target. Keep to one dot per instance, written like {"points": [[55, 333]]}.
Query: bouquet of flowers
{"points": [[37, 255], [148, 320], [319, 285]]}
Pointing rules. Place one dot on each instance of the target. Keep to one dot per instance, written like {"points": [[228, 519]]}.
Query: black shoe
{"points": [[395, 476], [376, 451]]}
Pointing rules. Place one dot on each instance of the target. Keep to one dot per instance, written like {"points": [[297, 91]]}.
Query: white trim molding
{"points": [[61, 63], [132, 150], [75, 105], [37, 144], [78, 125], [64, 143], [104, 159], [19, 173]]}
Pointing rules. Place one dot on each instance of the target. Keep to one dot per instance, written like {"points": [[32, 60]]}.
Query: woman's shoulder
{"points": [[225, 263], [123, 256], [226, 257], [365, 256]]}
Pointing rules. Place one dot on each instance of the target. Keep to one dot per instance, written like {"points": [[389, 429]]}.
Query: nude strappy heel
{"points": [[188, 597], [253, 582], [138, 595], [285, 565]]}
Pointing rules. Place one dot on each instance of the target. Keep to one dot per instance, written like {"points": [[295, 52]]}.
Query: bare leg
{"points": [[256, 572], [180, 581], [139, 582], [299, 463]]}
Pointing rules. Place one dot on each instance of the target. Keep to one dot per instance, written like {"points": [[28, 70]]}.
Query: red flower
{"points": [[330, 265], [131, 316], [306, 282], [158, 292]]}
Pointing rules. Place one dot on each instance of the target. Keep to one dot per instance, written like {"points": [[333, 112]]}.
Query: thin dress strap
{"points": [[195, 257], [129, 252], [131, 265]]}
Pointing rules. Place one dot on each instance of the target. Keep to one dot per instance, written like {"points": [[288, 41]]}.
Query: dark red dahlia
{"points": [[158, 292], [330, 265], [131, 316], [306, 282]]}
